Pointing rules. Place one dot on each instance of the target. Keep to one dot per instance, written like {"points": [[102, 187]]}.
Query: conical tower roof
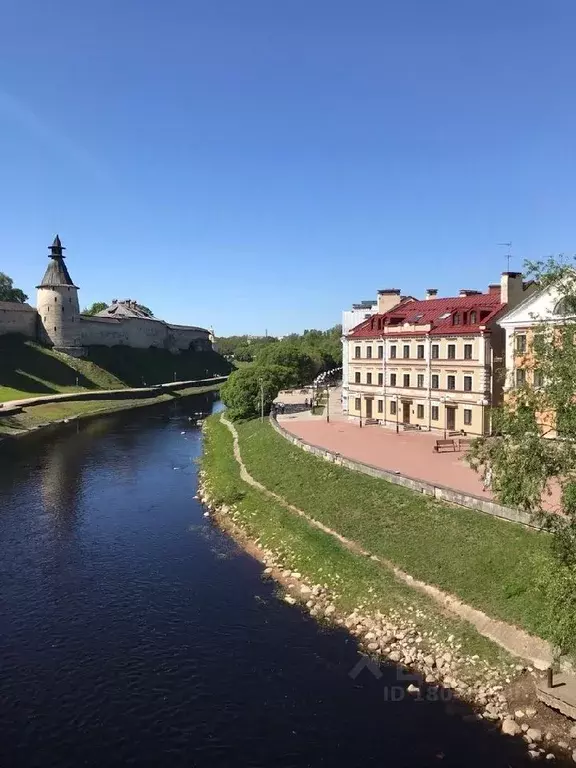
{"points": [[56, 273]]}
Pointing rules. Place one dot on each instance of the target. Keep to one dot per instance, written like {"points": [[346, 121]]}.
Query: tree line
{"points": [[293, 361]]}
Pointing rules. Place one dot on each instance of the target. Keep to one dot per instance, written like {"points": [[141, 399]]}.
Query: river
{"points": [[133, 632]]}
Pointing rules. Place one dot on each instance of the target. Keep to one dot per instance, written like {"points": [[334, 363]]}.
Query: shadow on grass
{"points": [[26, 367]]}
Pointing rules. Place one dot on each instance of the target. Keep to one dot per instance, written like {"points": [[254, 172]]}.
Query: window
{"points": [[368, 352], [357, 403], [420, 380], [380, 352], [435, 381], [55, 299], [472, 318], [357, 377], [467, 416], [467, 351], [420, 411], [520, 377], [70, 300], [406, 380], [521, 343], [392, 407], [420, 351], [435, 351], [62, 308], [380, 406], [368, 378], [434, 413], [451, 351], [356, 352], [467, 383], [392, 379], [393, 351], [380, 379], [406, 351], [538, 378], [456, 319], [451, 382]]}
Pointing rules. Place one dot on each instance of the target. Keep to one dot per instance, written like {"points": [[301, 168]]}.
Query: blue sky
{"points": [[261, 164]]}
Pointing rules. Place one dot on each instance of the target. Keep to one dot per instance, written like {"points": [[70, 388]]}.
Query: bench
{"points": [[441, 444], [371, 422], [464, 443], [411, 426]]}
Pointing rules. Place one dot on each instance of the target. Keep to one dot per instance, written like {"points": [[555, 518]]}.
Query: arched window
{"points": [[472, 318], [55, 299], [566, 306], [456, 319]]}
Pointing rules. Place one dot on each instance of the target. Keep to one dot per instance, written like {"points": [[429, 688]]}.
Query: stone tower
{"points": [[57, 304]]}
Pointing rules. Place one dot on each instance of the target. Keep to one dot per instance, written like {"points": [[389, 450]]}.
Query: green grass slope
{"points": [[28, 368]]}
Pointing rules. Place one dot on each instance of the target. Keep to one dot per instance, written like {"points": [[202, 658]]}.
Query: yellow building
{"points": [[435, 364]]}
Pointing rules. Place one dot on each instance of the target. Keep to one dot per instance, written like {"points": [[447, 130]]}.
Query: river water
{"points": [[132, 632]]}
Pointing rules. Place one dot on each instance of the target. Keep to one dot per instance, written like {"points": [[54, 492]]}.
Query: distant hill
{"points": [[28, 368]]}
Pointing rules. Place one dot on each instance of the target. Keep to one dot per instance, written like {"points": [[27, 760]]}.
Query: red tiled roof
{"points": [[438, 313]]}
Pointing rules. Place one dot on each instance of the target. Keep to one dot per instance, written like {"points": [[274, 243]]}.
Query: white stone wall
{"points": [[17, 319], [140, 333], [59, 316]]}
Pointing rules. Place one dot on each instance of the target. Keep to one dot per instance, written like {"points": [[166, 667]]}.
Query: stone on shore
{"points": [[510, 727]]}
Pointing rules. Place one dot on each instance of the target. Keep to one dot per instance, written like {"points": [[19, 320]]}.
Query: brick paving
{"points": [[410, 453]]}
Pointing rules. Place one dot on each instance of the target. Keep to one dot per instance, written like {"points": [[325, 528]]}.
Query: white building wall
{"points": [[350, 319]]}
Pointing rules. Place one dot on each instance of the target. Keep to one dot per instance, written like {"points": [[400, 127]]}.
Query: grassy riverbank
{"points": [[41, 415], [28, 368], [354, 580], [496, 566]]}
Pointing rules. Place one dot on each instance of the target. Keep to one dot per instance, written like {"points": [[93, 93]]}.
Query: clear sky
{"points": [[262, 164]]}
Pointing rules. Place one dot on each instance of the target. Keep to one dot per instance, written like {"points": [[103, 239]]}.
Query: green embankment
{"points": [[28, 368], [354, 580], [496, 566], [40, 415]]}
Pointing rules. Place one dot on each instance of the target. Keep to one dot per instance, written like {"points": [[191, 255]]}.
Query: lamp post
{"points": [[327, 404], [397, 410], [444, 400]]}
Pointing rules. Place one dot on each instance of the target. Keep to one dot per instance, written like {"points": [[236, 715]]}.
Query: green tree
{"points": [[243, 391], [98, 306], [526, 465], [8, 292], [303, 364]]}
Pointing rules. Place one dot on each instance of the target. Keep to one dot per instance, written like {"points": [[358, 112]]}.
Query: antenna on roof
{"points": [[508, 256]]}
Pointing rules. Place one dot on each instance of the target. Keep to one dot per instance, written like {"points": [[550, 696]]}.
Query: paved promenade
{"points": [[410, 453]]}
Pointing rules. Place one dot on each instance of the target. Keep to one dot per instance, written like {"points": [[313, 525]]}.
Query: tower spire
{"points": [[56, 249]]}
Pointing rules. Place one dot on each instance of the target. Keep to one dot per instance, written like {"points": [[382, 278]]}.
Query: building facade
{"points": [[435, 364], [350, 319], [58, 322]]}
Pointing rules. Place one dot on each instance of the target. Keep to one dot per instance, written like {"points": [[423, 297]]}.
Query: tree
{"points": [[243, 391], [98, 306], [527, 466], [302, 365], [8, 292]]}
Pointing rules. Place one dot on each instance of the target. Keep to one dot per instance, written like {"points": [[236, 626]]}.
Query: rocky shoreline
{"points": [[435, 665]]}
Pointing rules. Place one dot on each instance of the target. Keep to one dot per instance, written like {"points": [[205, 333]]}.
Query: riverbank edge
{"points": [[388, 637], [116, 406]]}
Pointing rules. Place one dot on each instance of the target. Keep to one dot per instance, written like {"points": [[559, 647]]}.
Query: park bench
{"points": [[408, 427], [441, 444], [371, 422], [464, 443]]}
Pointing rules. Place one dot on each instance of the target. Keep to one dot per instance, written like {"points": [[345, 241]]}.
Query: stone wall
{"points": [[140, 333], [440, 492], [18, 318]]}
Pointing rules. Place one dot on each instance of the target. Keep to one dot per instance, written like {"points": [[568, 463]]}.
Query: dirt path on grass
{"points": [[514, 640]]}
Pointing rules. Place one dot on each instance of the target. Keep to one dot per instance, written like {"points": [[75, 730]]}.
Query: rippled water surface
{"points": [[134, 633]]}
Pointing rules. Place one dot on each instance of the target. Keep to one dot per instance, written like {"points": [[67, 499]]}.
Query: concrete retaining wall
{"points": [[440, 492], [109, 394]]}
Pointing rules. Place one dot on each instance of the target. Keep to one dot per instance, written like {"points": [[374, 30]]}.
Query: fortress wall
{"points": [[109, 332], [18, 318], [183, 337]]}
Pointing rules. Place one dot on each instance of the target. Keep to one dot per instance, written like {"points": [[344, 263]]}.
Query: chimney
{"points": [[431, 293], [494, 289], [467, 292], [511, 288], [388, 298]]}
